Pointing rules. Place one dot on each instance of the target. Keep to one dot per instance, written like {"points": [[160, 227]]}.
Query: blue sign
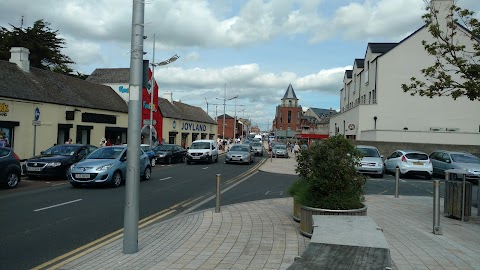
{"points": [[121, 89], [37, 114]]}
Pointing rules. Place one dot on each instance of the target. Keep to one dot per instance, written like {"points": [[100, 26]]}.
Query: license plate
{"points": [[418, 163], [82, 175], [196, 157], [233, 158], [34, 169]]}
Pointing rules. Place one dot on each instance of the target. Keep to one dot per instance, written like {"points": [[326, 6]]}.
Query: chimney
{"points": [[168, 96], [19, 56]]}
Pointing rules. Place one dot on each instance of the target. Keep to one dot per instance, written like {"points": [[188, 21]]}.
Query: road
{"points": [[51, 219]]}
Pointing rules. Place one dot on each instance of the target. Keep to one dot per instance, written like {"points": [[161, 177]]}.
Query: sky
{"points": [[252, 49]]}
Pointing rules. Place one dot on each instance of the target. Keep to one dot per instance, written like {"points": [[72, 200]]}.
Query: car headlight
{"points": [[245, 155], [469, 170], [53, 164], [71, 167], [161, 155], [104, 168]]}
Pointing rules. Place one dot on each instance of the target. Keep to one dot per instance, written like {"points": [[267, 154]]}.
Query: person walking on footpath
{"points": [[296, 149], [69, 141]]}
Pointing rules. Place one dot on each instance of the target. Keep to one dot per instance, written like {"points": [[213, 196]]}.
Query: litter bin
{"points": [[454, 201]]}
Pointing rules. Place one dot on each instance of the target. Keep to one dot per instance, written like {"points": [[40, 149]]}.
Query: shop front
{"points": [[184, 132]]}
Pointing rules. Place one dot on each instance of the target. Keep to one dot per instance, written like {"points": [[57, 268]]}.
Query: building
{"points": [[229, 126], [40, 108], [183, 123], [287, 116], [375, 108], [315, 124], [119, 80]]}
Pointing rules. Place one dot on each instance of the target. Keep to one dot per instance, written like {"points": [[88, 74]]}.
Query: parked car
{"points": [[280, 150], [10, 171], [443, 160], [152, 155], [168, 153], [240, 153], [106, 165], [371, 162], [55, 161], [257, 148], [202, 151], [410, 163]]}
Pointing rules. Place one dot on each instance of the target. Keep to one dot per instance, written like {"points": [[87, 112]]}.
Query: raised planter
{"points": [[296, 210], [306, 216]]}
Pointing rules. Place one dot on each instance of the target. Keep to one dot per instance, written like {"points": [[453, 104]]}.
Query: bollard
{"points": [[217, 200], [463, 197], [397, 180], [436, 208]]}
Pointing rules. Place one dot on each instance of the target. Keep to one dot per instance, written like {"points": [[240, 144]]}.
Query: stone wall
{"points": [[386, 148]]}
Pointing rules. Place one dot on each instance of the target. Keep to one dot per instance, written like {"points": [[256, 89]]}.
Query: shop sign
{"points": [[3, 109], [191, 126]]}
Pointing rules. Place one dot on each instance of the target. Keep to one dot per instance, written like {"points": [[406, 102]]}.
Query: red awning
{"points": [[311, 136]]}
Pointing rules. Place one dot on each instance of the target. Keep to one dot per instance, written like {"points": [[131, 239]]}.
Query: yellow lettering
{"points": [[3, 107]]}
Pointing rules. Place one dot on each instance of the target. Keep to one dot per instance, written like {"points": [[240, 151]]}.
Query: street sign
{"points": [[147, 122], [36, 114], [36, 123]]}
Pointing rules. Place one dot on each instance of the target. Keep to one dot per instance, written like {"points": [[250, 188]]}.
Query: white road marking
{"points": [[54, 185], [205, 168], [163, 179], [56, 205]]}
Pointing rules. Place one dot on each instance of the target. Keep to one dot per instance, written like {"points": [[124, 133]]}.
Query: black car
{"points": [[168, 153], [10, 171], [55, 161]]}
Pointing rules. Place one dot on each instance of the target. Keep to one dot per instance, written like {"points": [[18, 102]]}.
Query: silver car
{"points": [[240, 153], [257, 148], [372, 161], [280, 150], [106, 165], [445, 160]]}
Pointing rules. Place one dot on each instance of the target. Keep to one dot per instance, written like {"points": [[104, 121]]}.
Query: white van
{"points": [[202, 151]]}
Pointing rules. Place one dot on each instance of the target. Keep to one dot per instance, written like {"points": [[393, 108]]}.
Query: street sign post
{"points": [[36, 122]]}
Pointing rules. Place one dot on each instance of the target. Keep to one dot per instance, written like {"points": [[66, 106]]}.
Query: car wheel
{"points": [[188, 162], [210, 160], [184, 158], [169, 160], [428, 177], [153, 162], [147, 174], [12, 179], [216, 160], [116, 179]]}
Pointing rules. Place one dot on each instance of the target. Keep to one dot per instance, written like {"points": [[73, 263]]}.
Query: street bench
{"points": [[345, 242]]}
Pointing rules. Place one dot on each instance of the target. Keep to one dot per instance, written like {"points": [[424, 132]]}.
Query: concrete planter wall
{"points": [[296, 210], [306, 219]]}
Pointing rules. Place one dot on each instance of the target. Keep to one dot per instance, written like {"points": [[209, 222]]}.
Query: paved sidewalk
{"points": [[263, 235]]}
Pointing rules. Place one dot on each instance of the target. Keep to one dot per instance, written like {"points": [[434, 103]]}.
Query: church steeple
{"points": [[290, 99]]}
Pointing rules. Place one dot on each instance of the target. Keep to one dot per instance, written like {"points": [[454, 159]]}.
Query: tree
{"points": [[42, 42], [451, 57]]}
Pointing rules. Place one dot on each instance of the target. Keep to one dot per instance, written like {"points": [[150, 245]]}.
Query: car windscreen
{"points": [[416, 156], [63, 150], [257, 144], [368, 152], [200, 145], [145, 148], [106, 153], [280, 147], [163, 147], [239, 148], [465, 158]]}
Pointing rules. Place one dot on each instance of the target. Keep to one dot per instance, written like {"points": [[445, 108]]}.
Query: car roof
{"points": [[366, 146], [453, 152]]}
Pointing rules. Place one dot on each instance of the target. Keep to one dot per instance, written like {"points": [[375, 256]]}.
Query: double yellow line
{"points": [[246, 173], [109, 238]]}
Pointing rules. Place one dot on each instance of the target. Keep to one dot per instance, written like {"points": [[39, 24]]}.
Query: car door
{"points": [[446, 163], [434, 158], [389, 161]]}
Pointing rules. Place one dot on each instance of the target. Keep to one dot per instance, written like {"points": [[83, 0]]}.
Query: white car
{"points": [[372, 161], [202, 151], [409, 162]]}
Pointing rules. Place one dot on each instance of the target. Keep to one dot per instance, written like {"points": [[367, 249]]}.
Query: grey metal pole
{"points": [[130, 235], [397, 180], [217, 199], [224, 100], [478, 197], [235, 125], [34, 139], [436, 208], [463, 197]]}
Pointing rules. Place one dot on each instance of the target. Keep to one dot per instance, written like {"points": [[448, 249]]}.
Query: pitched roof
{"points": [[348, 72], [381, 47], [322, 112], [290, 93], [226, 116], [179, 110], [110, 75], [51, 87], [359, 62]]}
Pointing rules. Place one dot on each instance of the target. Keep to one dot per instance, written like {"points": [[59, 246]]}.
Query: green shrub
{"points": [[328, 178]]}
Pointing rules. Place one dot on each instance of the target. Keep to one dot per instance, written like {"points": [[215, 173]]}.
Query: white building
{"points": [[373, 106]]}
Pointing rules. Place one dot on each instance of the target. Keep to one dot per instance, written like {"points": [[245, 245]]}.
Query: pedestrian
{"points": [[103, 142], [296, 149], [69, 141]]}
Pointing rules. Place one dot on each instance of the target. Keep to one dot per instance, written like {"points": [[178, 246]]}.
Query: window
{"points": [[280, 117], [354, 83], [374, 96], [370, 97], [366, 73], [289, 103], [289, 117]]}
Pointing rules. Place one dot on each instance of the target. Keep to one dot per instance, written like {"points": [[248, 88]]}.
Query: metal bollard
{"points": [[436, 208], [217, 200], [463, 197], [397, 180]]}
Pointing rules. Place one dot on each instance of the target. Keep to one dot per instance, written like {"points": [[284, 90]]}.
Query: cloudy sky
{"points": [[250, 48]]}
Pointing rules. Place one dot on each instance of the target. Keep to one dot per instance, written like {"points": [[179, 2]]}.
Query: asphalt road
{"points": [[50, 219]]}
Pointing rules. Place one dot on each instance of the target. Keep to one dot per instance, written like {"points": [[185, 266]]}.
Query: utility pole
{"points": [[130, 234]]}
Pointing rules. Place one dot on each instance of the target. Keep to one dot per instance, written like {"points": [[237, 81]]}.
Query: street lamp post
{"points": [[224, 102], [152, 85]]}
